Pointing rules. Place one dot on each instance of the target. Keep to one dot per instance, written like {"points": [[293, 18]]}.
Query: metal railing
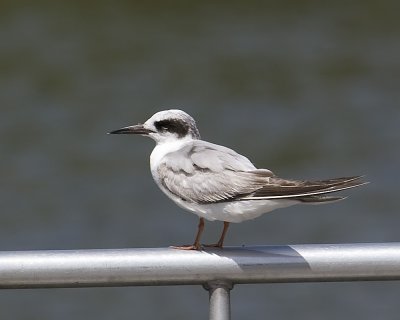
{"points": [[216, 269]]}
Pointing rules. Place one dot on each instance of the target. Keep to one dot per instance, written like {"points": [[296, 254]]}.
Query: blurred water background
{"points": [[307, 89]]}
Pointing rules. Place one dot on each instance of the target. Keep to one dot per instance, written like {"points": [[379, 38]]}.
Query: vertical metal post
{"points": [[220, 305]]}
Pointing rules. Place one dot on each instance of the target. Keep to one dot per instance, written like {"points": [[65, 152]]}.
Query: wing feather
{"points": [[279, 188]]}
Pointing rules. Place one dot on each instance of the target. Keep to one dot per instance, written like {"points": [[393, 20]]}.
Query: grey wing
{"points": [[202, 172]]}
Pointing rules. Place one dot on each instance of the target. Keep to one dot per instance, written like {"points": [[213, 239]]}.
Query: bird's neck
{"points": [[165, 147]]}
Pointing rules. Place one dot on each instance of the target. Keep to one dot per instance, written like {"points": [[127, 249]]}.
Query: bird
{"points": [[217, 183]]}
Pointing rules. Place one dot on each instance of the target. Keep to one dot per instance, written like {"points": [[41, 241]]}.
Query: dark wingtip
{"points": [[319, 199]]}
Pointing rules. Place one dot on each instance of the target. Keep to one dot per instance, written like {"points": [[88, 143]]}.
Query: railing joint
{"points": [[211, 285]]}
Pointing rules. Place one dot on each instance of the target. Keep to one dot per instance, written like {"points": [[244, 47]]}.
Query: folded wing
{"points": [[202, 172]]}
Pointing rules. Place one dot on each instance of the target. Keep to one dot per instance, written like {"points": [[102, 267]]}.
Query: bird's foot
{"points": [[214, 245], [195, 246]]}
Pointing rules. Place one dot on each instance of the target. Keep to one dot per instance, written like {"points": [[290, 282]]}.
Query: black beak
{"points": [[137, 129]]}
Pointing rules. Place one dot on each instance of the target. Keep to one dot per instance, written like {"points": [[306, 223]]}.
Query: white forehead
{"points": [[171, 114]]}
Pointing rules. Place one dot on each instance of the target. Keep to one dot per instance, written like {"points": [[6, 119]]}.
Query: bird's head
{"points": [[168, 125]]}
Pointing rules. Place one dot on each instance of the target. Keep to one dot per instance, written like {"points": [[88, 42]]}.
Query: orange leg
{"points": [[196, 245], [220, 242]]}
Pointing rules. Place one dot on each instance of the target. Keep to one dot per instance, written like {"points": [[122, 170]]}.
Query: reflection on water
{"points": [[307, 90]]}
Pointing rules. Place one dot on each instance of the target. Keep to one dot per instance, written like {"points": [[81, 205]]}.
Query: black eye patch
{"points": [[177, 126]]}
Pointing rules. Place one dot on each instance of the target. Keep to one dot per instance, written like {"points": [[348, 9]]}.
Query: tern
{"points": [[217, 183]]}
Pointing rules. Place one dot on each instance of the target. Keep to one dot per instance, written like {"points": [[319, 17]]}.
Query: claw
{"points": [[213, 245], [195, 246]]}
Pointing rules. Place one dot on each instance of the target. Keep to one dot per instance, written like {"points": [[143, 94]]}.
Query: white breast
{"points": [[160, 151]]}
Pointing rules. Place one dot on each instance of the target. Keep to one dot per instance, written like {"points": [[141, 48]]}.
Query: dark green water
{"points": [[308, 90]]}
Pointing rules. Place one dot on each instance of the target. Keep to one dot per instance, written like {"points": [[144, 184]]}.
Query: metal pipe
{"points": [[166, 266], [220, 305]]}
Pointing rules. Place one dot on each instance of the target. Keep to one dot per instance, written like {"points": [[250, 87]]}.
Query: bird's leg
{"points": [[200, 229], [220, 242], [196, 245]]}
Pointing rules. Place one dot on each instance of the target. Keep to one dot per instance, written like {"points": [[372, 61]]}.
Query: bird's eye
{"points": [[164, 125], [176, 126]]}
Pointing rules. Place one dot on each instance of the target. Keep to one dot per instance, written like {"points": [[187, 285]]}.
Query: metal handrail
{"points": [[216, 269]]}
